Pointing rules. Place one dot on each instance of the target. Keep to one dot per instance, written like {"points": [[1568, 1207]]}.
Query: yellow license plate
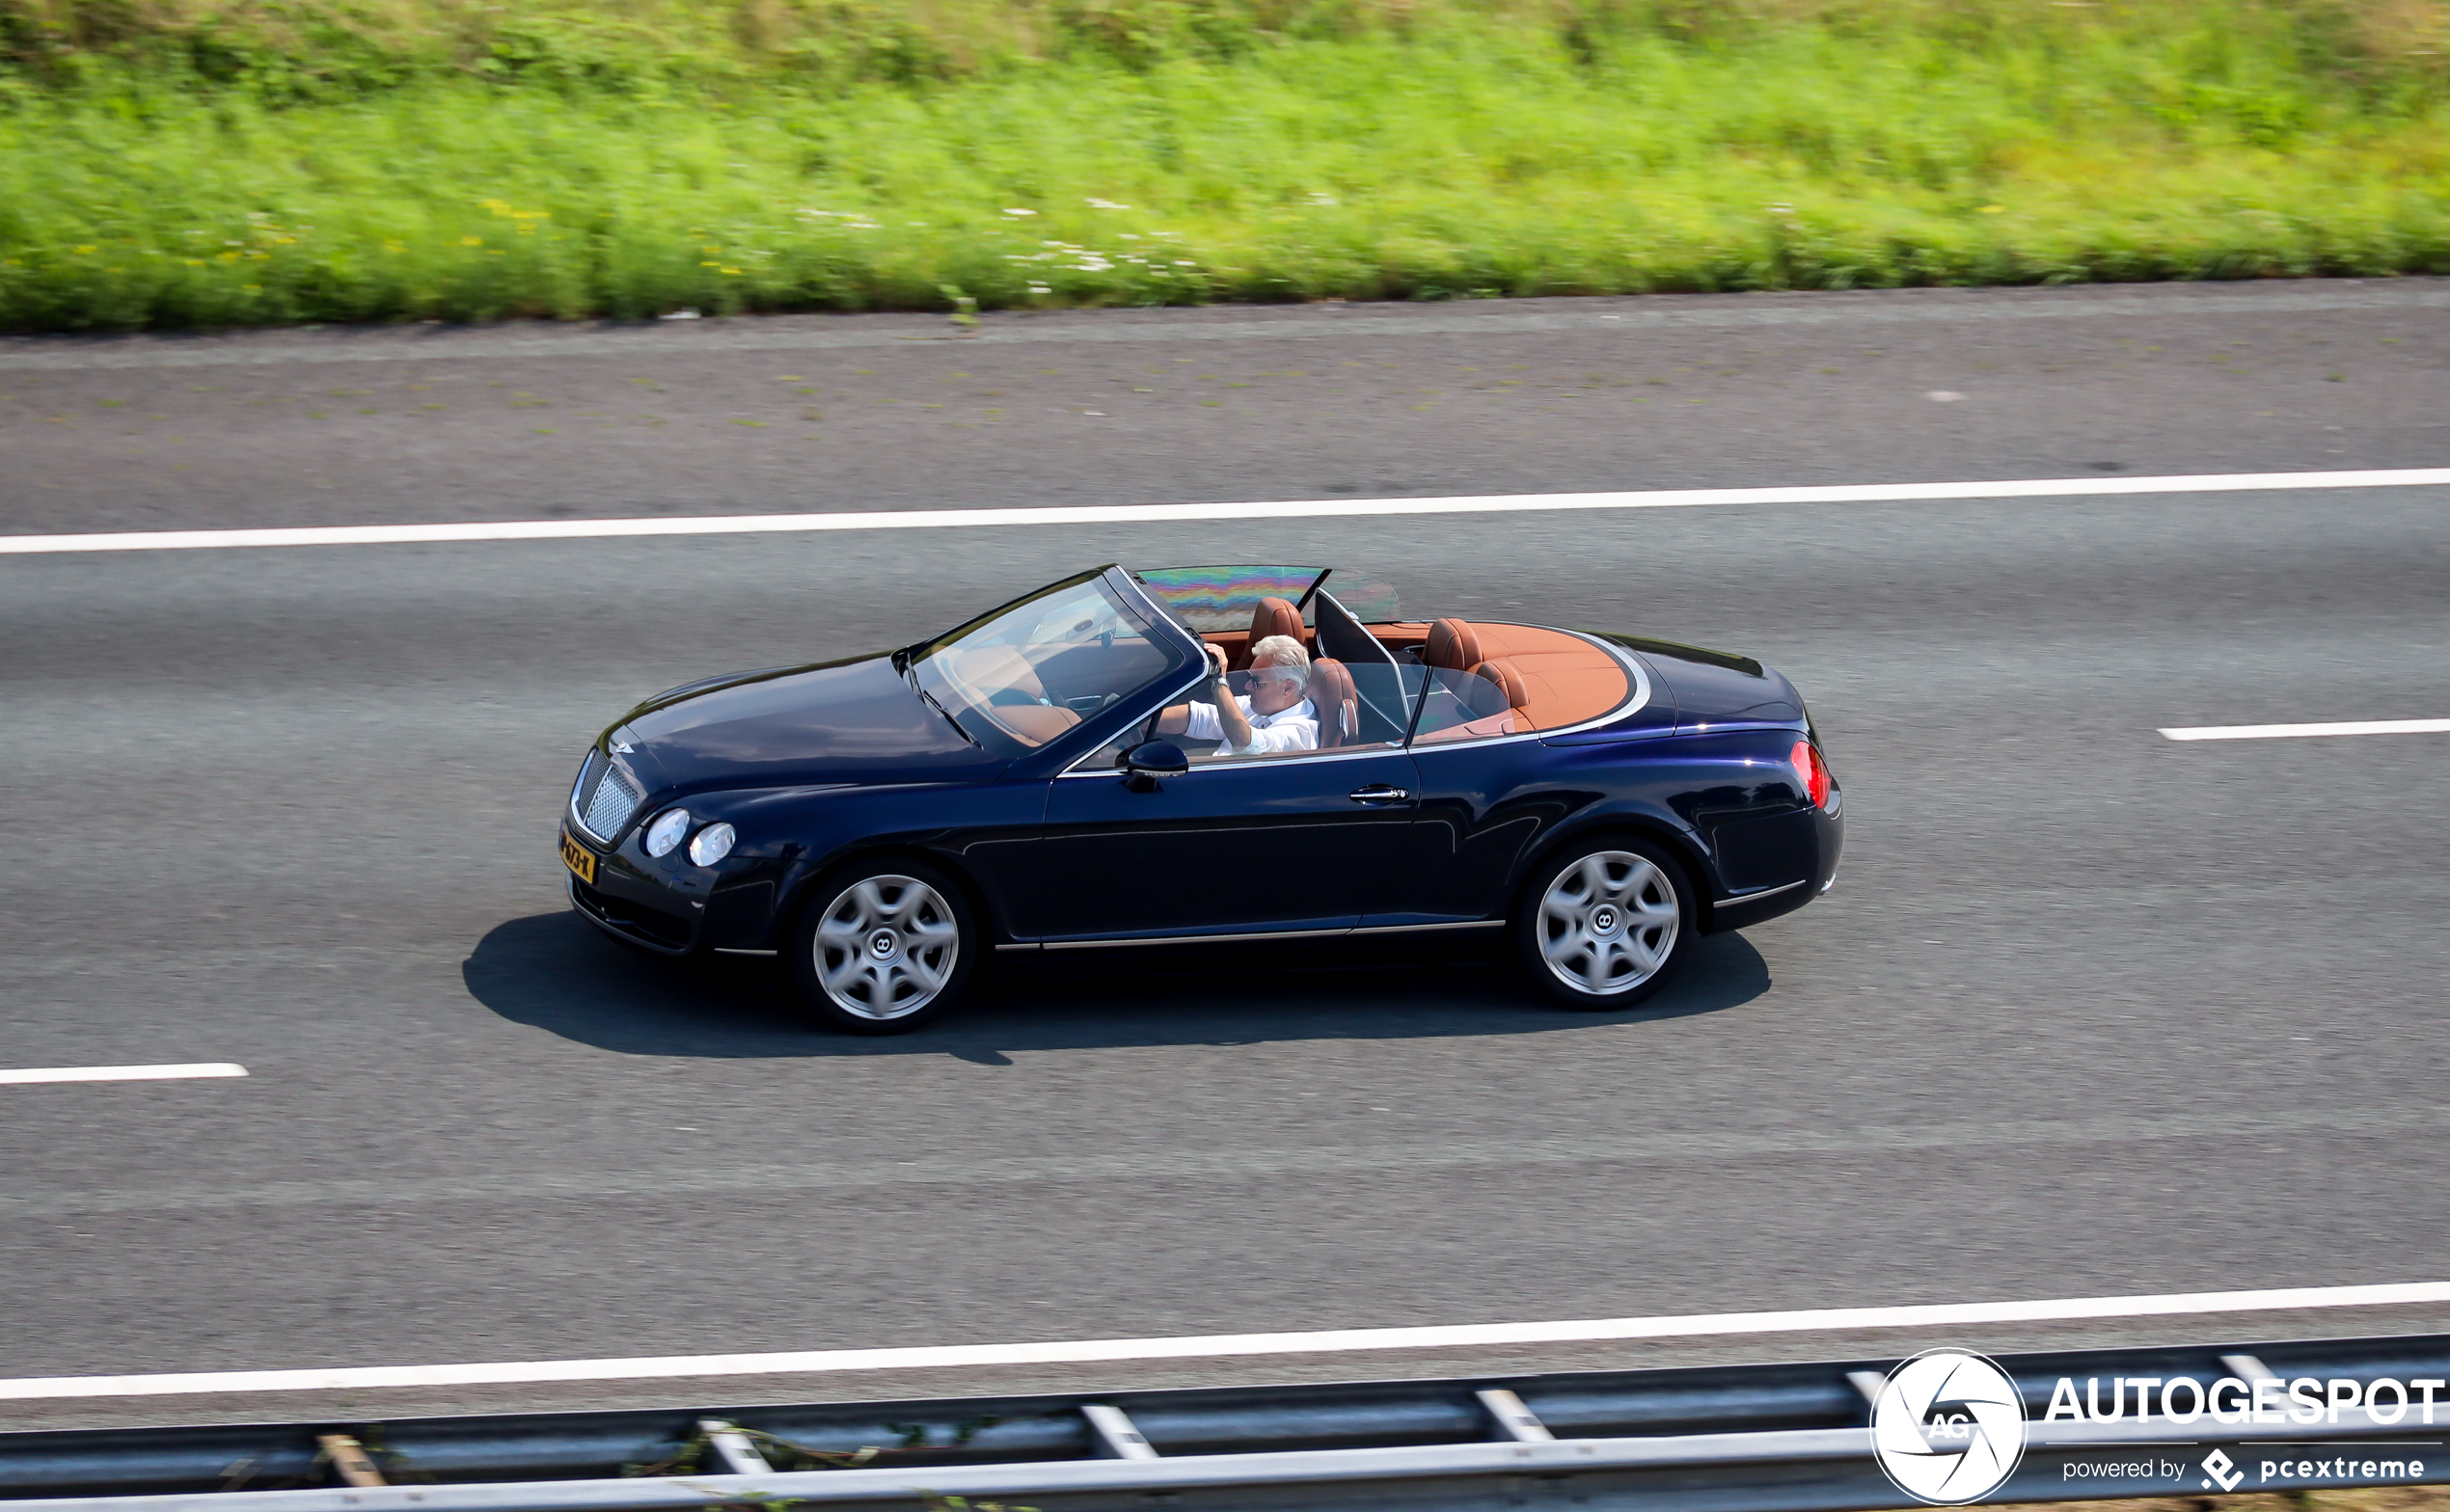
{"points": [[578, 859]]}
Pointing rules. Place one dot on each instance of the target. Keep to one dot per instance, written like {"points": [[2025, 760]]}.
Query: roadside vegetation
{"points": [[201, 163]]}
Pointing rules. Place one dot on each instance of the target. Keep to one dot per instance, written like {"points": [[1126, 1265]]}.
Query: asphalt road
{"points": [[358, 427], [2088, 1012]]}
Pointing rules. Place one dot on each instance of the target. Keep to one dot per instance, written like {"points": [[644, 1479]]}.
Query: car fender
{"points": [[807, 887], [985, 835], [1653, 823], [1682, 791]]}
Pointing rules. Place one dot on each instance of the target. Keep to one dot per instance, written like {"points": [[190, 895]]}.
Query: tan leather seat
{"points": [[1495, 697], [1033, 725], [1453, 645], [1508, 681], [1271, 616], [1339, 704]]}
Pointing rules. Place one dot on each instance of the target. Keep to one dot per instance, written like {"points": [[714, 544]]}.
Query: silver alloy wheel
{"points": [[1607, 922], [887, 946]]}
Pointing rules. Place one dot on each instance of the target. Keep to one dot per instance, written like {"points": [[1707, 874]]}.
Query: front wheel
{"points": [[883, 948], [1605, 925]]}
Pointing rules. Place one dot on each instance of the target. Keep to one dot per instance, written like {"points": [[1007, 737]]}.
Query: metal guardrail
{"points": [[1732, 1439]]}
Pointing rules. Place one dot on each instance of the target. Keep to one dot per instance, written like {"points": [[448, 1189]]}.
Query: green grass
{"points": [[406, 165]]}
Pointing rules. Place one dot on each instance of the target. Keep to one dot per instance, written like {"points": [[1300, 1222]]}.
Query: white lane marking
{"points": [[1162, 514], [2284, 732], [124, 1073], [1222, 1345]]}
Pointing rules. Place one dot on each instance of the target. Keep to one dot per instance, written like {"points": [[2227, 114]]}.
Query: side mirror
{"points": [[1145, 764]]}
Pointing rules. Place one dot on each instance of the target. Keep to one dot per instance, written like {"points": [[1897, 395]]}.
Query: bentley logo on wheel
{"points": [[1949, 1427]]}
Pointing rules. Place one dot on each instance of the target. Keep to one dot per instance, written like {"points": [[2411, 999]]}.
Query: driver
{"points": [[1274, 715]]}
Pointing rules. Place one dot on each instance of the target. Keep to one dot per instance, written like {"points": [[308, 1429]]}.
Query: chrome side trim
{"points": [[1640, 699], [1767, 892], [1244, 764], [1193, 939], [1262, 934], [729, 950]]}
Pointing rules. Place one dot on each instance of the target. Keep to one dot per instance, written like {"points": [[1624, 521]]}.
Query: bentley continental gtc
{"points": [[1189, 756]]}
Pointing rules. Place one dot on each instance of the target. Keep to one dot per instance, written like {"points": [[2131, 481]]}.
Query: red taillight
{"points": [[1813, 771]]}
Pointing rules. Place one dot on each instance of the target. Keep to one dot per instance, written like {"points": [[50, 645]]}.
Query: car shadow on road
{"points": [[554, 972]]}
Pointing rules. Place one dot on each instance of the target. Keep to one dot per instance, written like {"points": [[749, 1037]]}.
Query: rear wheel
{"points": [[1605, 924], [883, 948]]}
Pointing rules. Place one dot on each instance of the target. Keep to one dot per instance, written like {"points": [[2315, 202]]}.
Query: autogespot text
{"points": [[2306, 1400]]}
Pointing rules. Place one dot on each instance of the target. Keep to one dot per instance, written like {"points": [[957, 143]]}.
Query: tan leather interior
{"points": [[1565, 679], [1274, 617], [1508, 682], [994, 667], [1269, 616], [1505, 722], [1454, 644], [1339, 705], [1034, 724]]}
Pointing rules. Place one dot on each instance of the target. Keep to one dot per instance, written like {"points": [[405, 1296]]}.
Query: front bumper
{"points": [[647, 929], [667, 908]]}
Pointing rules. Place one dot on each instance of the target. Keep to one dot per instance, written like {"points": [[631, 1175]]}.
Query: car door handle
{"points": [[1380, 793]]}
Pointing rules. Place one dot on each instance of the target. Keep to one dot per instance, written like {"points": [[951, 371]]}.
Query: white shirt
{"points": [[1294, 729]]}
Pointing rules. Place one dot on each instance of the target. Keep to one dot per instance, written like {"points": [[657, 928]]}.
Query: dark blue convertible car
{"points": [[1186, 756]]}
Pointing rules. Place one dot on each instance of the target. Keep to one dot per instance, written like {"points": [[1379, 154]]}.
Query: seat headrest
{"points": [[1508, 680], [1339, 704], [1453, 645], [1274, 617]]}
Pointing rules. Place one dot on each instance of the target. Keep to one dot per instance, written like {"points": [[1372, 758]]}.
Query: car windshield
{"points": [[1020, 677]]}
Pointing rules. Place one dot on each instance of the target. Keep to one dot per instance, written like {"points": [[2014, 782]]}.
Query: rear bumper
{"points": [[1742, 911]]}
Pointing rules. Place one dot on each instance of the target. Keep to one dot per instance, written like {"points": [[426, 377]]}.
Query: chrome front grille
{"points": [[588, 770], [605, 797]]}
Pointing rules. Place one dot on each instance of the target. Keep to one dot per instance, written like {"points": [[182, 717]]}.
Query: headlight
{"points": [[712, 844], [666, 831]]}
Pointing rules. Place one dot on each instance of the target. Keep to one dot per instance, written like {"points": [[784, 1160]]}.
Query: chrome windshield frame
{"points": [[1069, 751]]}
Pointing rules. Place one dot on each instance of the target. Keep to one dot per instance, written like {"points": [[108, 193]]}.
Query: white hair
{"points": [[1282, 651]]}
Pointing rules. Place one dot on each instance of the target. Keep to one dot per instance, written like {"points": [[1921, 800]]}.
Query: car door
{"points": [[1291, 843], [1475, 817]]}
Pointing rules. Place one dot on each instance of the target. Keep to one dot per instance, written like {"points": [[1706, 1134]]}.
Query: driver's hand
{"points": [[1216, 660]]}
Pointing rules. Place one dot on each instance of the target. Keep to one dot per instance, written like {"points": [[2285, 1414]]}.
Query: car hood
{"points": [[829, 722]]}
